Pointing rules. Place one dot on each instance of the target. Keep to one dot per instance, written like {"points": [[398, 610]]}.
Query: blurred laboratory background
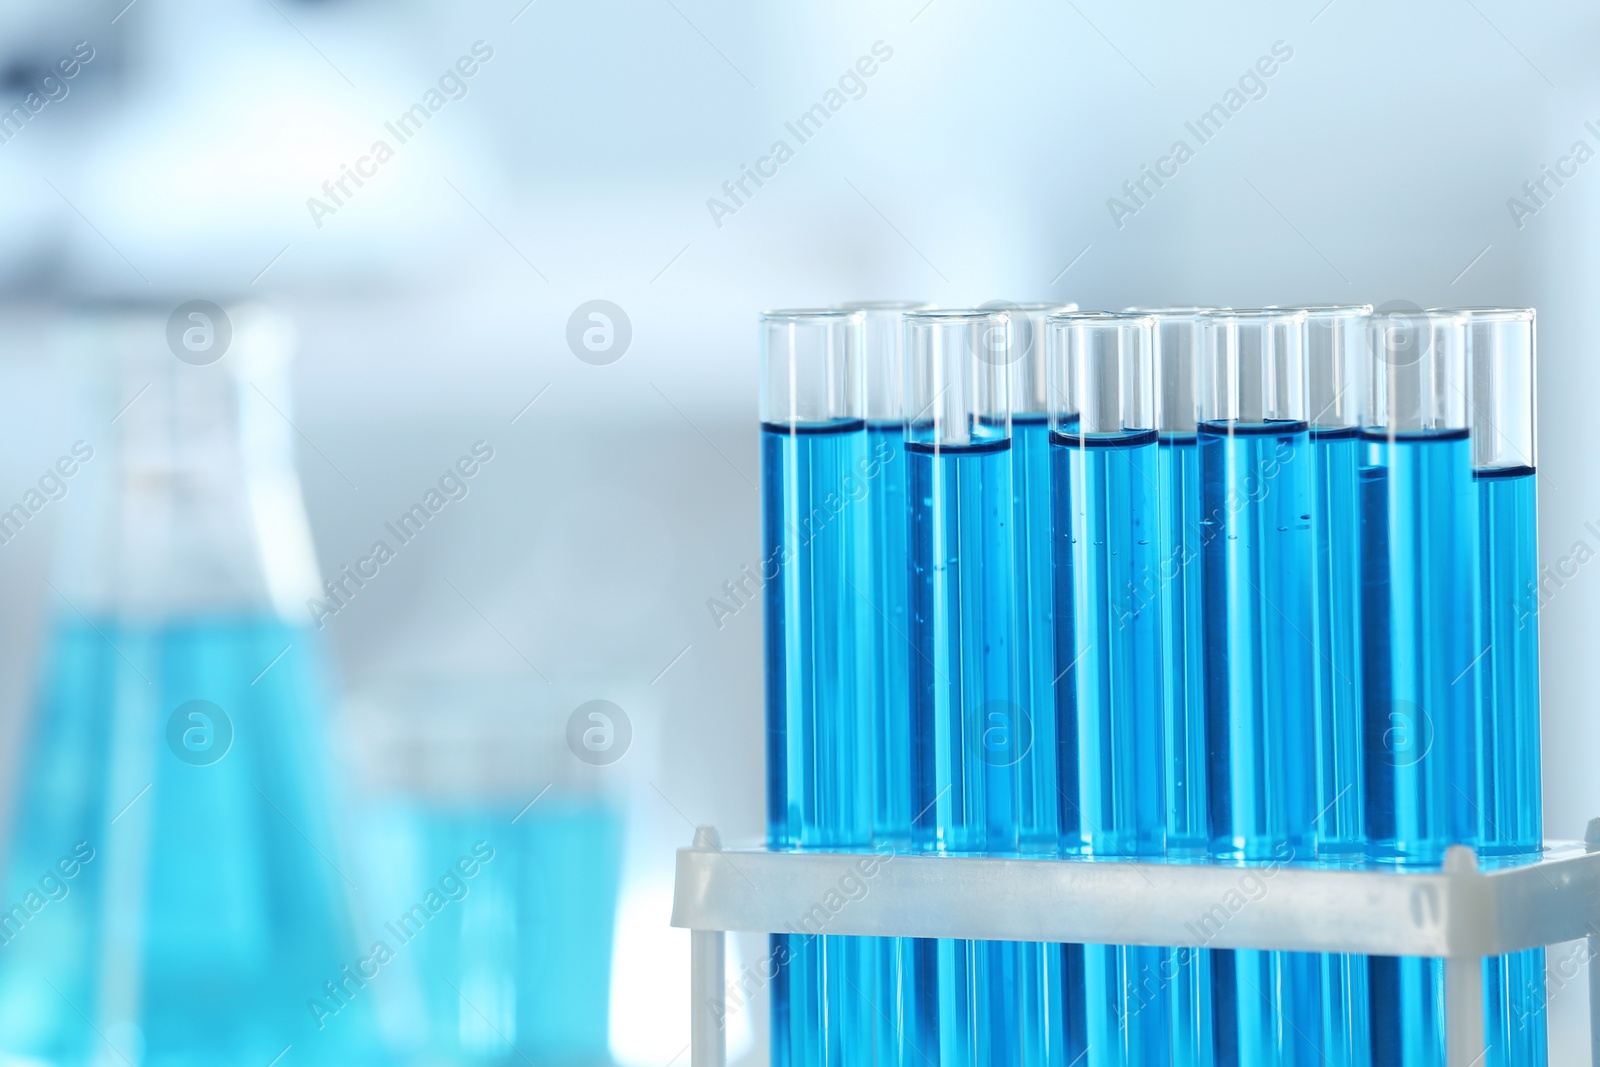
{"points": [[285, 281]]}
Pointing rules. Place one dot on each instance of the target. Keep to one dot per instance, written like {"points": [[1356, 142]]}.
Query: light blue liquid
{"points": [[1182, 677], [1418, 588], [1256, 551], [889, 668], [1336, 677], [513, 963], [1110, 709], [966, 745], [212, 910], [1038, 824], [819, 729], [1505, 818]]}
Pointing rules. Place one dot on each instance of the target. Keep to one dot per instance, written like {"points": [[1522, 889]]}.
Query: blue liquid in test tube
{"points": [[886, 590], [1418, 592], [1176, 348], [964, 709], [1104, 475], [1256, 549], [1336, 358], [1045, 973], [819, 729], [1504, 821]]}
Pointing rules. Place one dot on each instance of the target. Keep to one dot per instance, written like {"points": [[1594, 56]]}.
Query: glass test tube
{"points": [[964, 712], [1256, 471], [1045, 1015], [1038, 819], [1504, 815], [1336, 368], [1418, 598], [819, 729], [888, 665], [1104, 461], [1176, 362]]}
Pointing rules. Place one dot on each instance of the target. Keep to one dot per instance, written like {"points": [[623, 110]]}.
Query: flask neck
{"points": [[192, 507]]}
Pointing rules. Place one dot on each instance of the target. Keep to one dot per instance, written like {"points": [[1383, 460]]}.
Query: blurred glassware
{"points": [[491, 864], [173, 895]]}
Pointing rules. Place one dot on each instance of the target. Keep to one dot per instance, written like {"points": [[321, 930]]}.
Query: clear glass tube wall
{"points": [[1257, 473], [886, 590], [814, 463], [968, 731], [1110, 711], [1175, 359], [1504, 815], [1418, 589]]}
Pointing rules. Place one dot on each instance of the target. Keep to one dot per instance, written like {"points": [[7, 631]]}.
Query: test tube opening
{"points": [[1253, 370], [1336, 364], [1175, 362], [883, 355], [1100, 375], [958, 371], [1029, 378], [810, 366], [1418, 366], [1500, 355]]}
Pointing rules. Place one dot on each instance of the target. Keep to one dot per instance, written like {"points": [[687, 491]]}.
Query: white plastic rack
{"points": [[1461, 913]]}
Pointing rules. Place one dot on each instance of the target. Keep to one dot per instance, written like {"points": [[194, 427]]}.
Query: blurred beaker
{"points": [[491, 863], [173, 895]]}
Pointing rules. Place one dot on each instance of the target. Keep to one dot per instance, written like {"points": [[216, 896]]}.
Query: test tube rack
{"points": [[1461, 912]]}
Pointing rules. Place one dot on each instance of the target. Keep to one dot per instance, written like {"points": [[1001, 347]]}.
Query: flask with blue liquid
{"points": [[173, 795]]}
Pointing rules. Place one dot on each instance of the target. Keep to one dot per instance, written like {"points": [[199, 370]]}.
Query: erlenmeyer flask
{"points": [[174, 894]]}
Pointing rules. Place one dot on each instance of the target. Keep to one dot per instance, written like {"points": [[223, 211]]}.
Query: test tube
{"points": [[966, 740], [886, 589], [1418, 598], [1044, 1014], [819, 726], [1503, 819], [1104, 476], [1336, 367], [1256, 472], [1176, 361], [1038, 818]]}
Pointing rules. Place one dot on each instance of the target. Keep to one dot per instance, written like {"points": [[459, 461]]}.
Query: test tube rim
{"points": [[1326, 311], [800, 315], [1126, 318], [1060, 307], [1285, 316], [885, 305], [957, 315], [1455, 315], [1174, 311], [1490, 313]]}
